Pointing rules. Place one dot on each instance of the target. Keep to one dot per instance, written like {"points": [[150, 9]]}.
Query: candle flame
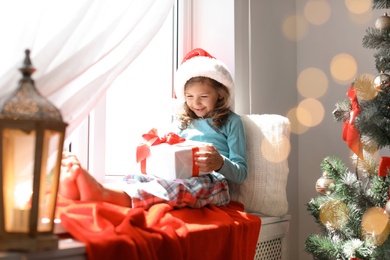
{"points": [[22, 196]]}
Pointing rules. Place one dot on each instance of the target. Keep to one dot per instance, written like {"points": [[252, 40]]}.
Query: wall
{"points": [[212, 29], [272, 82], [267, 62]]}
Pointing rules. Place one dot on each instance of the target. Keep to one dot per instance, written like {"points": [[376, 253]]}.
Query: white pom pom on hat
{"points": [[199, 63]]}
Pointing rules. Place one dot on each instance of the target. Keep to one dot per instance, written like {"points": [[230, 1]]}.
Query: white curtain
{"points": [[78, 47]]}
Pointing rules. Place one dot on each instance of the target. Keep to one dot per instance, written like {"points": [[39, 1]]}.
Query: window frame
{"points": [[88, 141]]}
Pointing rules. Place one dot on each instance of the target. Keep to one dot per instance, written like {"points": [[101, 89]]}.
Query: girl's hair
{"points": [[221, 110]]}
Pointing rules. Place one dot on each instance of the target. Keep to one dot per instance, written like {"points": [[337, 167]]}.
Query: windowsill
{"points": [[68, 248]]}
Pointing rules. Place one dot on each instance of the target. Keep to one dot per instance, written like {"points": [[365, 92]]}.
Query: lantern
{"points": [[31, 142]]}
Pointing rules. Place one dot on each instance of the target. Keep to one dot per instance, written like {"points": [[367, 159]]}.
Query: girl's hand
{"points": [[208, 159]]}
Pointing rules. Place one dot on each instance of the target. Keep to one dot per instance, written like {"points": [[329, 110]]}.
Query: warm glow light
{"points": [[312, 82], [317, 12], [375, 226], [295, 28], [343, 68], [45, 220], [358, 6], [310, 112], [22, 195], [363, 18], [296, 126], [277, 149]]}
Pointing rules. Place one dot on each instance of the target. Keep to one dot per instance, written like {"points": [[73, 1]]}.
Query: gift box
{"points": [[173, 161]]}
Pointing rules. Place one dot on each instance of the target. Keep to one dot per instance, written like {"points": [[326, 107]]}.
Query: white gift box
{"points": [[173, 161]]}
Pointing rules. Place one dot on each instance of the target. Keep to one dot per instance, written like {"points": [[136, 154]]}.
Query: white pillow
{"points": [[268, 148]]}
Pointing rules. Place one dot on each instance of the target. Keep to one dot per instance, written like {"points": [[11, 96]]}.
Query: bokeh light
{"points": [[317, 12], [358, 6], [363, 18], [343, 68], [310, 112], [296, 126], [277, 149], [334, 214], [312, 82], [295, 28]]}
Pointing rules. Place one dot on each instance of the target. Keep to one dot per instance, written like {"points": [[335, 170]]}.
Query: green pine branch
{"points": [[380, 4], [379, 190], [382, 60], [376, 39], [374, 119], [342, 111], [323, 248], [335, 168]]}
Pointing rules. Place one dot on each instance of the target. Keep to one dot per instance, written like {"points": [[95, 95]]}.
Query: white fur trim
{"points": [[201, 66]]}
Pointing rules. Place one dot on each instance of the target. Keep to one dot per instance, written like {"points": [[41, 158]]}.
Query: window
{"points": [[140, 99]]}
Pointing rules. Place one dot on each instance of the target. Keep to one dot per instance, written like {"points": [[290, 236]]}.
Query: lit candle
{"points": [[21, 212], [20, 220]]}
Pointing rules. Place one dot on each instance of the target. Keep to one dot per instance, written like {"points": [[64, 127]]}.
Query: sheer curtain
{"points": [[79, 47]]}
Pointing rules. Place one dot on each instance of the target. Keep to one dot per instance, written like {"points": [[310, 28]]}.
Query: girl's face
{"points": [[201, 98]]}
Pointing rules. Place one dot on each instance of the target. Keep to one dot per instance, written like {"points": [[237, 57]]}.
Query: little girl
{"points": [[203, 83]]}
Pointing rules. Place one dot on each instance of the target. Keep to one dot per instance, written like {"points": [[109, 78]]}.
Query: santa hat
{"points": [[199, 63]]}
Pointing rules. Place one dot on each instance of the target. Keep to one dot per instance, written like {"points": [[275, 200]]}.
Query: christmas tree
{"points": [[352, 209]]}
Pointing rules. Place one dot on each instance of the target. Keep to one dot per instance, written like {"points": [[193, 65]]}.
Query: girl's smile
{"points": [[201, 98]]}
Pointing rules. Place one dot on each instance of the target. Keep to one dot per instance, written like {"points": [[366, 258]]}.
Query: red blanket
{"points": [[113, 232]]}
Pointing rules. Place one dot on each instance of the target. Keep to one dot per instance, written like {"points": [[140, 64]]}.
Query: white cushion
{"points": [[268, 148]]}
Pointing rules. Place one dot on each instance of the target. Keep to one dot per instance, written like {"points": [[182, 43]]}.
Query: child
{"points": [[203, 83]]}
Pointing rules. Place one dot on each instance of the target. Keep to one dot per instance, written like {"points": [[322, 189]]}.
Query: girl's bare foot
{"points": [[77, 184], [68, 186]]}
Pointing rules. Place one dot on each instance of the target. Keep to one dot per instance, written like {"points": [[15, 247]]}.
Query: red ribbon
{"points": [[152, 138], [384, 166], [195, 167], [350, 134]]}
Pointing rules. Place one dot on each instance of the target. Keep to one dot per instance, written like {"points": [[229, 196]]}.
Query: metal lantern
{"points": [[31, 142]]}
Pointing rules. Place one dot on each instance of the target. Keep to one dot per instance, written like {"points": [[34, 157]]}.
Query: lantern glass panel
{"points": [[18, 168], [52, 145]]}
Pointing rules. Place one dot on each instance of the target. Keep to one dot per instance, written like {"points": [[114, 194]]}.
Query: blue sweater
{"points": [[229, 140]]}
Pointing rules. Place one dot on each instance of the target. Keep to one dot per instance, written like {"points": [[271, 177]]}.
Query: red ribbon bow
{"points": [[350, 134], [152, 138]]}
